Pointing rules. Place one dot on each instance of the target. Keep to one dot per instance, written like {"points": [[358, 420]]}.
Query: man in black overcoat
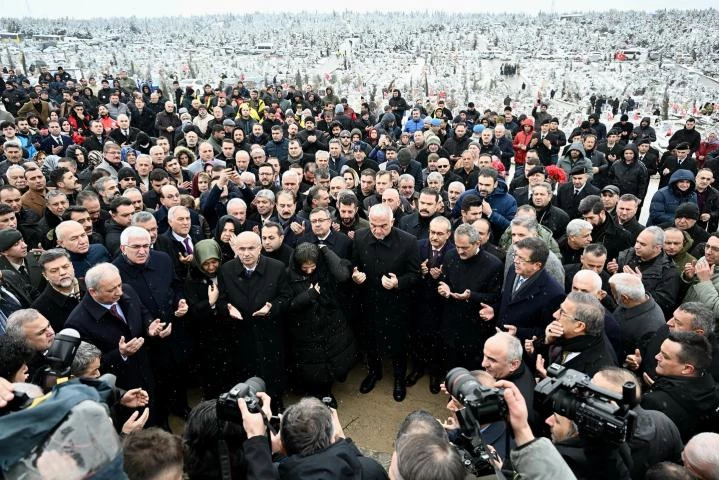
{"points": [[471, 277], [386, 262], [254, 293], [151, 274], [112, 317]]}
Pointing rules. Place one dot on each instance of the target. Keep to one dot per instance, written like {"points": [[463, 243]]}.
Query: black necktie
{"points": [[23, 271], [247, 274], [576, 192]]}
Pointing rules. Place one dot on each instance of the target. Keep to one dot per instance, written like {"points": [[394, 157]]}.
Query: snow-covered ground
{"points": [[424, 54]]}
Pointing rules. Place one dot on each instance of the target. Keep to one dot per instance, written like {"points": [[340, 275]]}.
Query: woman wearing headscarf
{"points": [[212, 336], [322, 347], [226, 227]]}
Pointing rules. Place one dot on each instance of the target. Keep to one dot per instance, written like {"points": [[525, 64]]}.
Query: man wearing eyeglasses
{"points": [[322, 234], [530, 295], [575, 338], [151, 274]]}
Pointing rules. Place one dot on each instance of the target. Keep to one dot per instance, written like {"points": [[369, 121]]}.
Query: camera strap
{"points": [[224, 454]]}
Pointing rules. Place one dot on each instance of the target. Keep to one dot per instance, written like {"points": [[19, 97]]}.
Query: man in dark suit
{"points": [[425, 348], [124, 134], [417, 223], [63, 291], [575, 338], [150, 273], [673, 160], [569, 195], [530, 295], [97, 140], [386, 263], [55, 143], [322, 234], [183, 237], [112, 317], [472, 277], [254, 293]]}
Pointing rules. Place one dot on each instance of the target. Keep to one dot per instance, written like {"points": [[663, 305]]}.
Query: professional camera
{"points": [[482, 405], [487, 404], [247, 391], [61, 353], [599, 413]]}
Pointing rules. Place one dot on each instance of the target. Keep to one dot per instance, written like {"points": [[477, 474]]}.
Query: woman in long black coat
{"points": [[211, 334], [322, 347]]}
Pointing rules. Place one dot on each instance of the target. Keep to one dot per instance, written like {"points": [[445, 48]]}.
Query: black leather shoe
{"points": [[414, 377], [369, 382], [434, 384], [400, 389]]}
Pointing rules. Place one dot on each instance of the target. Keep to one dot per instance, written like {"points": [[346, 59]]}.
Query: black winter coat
{"points": [[659, 277], [688, 401], [386, 312], [259, 344], [461, 325], [320, 341]]}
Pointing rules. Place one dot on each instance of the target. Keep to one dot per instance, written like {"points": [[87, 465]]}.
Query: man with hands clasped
{"points": [[386, 262]]}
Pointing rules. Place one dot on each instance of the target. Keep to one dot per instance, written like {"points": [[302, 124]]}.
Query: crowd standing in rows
{"points": [[281, 233]]}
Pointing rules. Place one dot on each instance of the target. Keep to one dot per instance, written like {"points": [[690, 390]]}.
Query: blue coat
{"points": [[532, 307], [667, 199], [504, 206]]}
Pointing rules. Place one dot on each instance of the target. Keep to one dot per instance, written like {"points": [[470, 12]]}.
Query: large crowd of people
{"points": [[204, 238]]}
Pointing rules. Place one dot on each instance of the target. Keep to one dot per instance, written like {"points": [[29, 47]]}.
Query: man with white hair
{"points": [[386, 262], [637, 313], [588, 281], [658, 272], [504, 143], [112, 317], [578, 236], [503, 360], [183, 235], [151, 274]]}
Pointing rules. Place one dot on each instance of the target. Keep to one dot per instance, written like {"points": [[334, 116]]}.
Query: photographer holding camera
{"points": [[311, 437]]}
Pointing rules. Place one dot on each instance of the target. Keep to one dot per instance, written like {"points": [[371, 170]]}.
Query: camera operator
{"points": [[495, 433], [533, 458], [311, 437], [34, 330], [575, 339], [14, 357], [420, 428], [655, 438], [684, 389], [503, 360]]}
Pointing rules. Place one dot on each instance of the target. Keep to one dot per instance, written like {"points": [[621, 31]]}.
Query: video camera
{"points": [[481, 404], [599, 414], [247, 391]]}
